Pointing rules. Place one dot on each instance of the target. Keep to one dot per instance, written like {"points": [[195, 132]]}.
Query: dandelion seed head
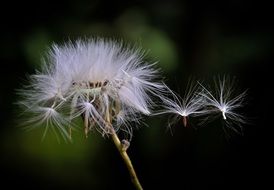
{"points": [[101, 80]]}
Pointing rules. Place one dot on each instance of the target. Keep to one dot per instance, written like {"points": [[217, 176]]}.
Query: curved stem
{"points": [[122, 150], [127, 160]]}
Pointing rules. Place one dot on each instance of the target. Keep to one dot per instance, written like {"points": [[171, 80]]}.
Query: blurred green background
{"points": [[188, 38]]}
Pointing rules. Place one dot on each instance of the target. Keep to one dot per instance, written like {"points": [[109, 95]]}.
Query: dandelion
{"points": [[96, 79], [106, 83], [190, 105], [223, 101]]}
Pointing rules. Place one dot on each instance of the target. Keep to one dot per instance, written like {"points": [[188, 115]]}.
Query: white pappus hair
{"points": [[182, 108], [105, 82], [223, 101]]}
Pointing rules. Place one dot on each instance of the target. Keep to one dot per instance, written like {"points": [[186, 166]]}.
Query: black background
{"points": [[188, 159]]}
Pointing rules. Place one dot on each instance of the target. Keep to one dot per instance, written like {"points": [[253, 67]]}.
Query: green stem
{"points": [[122, 150], [127, 160]]}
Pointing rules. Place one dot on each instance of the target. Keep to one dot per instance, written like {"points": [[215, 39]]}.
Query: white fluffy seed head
{"points": [[102, 80], [222, 100]]}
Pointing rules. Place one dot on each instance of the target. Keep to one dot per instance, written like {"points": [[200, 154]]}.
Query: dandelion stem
{"points": [[125, 157], [127, 161], [122, 150]]}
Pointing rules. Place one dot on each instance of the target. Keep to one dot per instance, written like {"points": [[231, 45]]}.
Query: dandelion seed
{"points": [[103, 81], [183, 108], [223, 101]]}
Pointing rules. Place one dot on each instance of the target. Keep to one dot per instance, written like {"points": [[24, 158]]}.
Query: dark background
{"points": [[189, 38]]}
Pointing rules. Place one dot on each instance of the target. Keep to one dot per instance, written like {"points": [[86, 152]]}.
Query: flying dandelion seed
{"points": [[103, 81], [223, 101], [183, 108]]}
